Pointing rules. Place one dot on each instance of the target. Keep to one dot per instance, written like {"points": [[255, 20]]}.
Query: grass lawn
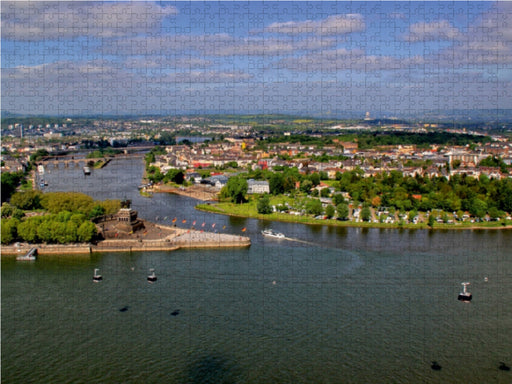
{"points": [[249, 209]]}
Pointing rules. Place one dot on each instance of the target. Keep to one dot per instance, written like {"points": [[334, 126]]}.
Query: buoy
{"points": [[465, 296], [97, 277], [152, 276]]}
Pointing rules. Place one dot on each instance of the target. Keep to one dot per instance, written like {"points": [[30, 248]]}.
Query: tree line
{"points": [[478, 196], [57, 217]]}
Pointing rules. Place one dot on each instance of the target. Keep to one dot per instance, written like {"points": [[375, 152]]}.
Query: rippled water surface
{"points": [[329, 305]]}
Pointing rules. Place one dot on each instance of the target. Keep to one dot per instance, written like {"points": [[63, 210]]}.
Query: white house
{"points": [[257, 186]]}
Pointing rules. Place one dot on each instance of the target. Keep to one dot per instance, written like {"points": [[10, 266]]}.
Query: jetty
{"points": [[29, 256], [172, 240]]}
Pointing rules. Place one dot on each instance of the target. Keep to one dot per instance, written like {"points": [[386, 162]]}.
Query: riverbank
{"points": [[238, 210], [196, 191], [174, 238]]}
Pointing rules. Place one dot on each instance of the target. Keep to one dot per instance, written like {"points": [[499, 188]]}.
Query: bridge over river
{"points": [[73, 161]]}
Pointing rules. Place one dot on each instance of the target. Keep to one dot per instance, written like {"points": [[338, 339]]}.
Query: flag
{"points": [[243, 229], [223, 227], [202, 225], [194, 222], [213, 225], [184, 221], [174, 220]]}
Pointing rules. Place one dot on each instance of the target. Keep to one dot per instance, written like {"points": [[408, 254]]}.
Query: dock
{"points": [[29, 256]]}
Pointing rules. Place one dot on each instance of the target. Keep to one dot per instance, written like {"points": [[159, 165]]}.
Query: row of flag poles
{"points": [[184, 221]]}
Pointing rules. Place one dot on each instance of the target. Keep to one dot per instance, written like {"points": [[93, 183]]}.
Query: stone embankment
{"points": [[179, 238]]}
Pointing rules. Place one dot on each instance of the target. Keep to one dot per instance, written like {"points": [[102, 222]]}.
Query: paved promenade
{"points": [[154, 238]]}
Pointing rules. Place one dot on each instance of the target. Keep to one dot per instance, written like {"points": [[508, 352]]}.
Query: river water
{"points": [[328, 305]]}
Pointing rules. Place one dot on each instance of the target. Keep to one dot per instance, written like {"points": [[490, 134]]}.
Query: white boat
{"points": [[40, 169], [271, 233], [87, 170]]}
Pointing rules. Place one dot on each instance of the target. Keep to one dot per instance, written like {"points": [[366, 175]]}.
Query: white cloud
{"points": [[201, 77], [435, 31], [488, 41], [347, 60], [216, 45], [37, 21], [163, 63], [332, 25]]}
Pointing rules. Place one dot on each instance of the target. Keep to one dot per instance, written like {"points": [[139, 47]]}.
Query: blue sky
{"points": [[310, 58]]}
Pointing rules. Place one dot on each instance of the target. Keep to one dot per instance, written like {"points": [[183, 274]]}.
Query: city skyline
{"points": [[308, 58]]}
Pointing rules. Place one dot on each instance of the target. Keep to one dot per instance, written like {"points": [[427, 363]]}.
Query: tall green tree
{"points": [[27, 199], [10, 181], [343, 211], [314, 207], [276, 183], [27, 229], [236, 189], [330, 211], [366, 214], [263, 205], [86, 232], [9, 230]]}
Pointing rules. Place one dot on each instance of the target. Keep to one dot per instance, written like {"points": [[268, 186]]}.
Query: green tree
{"points": [[40, 153], [9, 230], [330, 211], [97, 211], [175, 175], [111, 206], [343, 211], [431, 220], [314, 207], [337, 199], [366, 214], [236, 189], [77, 218], [495, 213], [55, 202], [263, 205], [27, 199], [7, 210], [315, 178], [44, 231], [478, 207], [27, 229], [276, 183], [86, 232], [154, 175], [306, 185], [64, 232], [10, 181]]}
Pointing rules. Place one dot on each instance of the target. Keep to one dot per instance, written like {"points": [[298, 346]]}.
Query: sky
{"points": [[327, 59]]}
